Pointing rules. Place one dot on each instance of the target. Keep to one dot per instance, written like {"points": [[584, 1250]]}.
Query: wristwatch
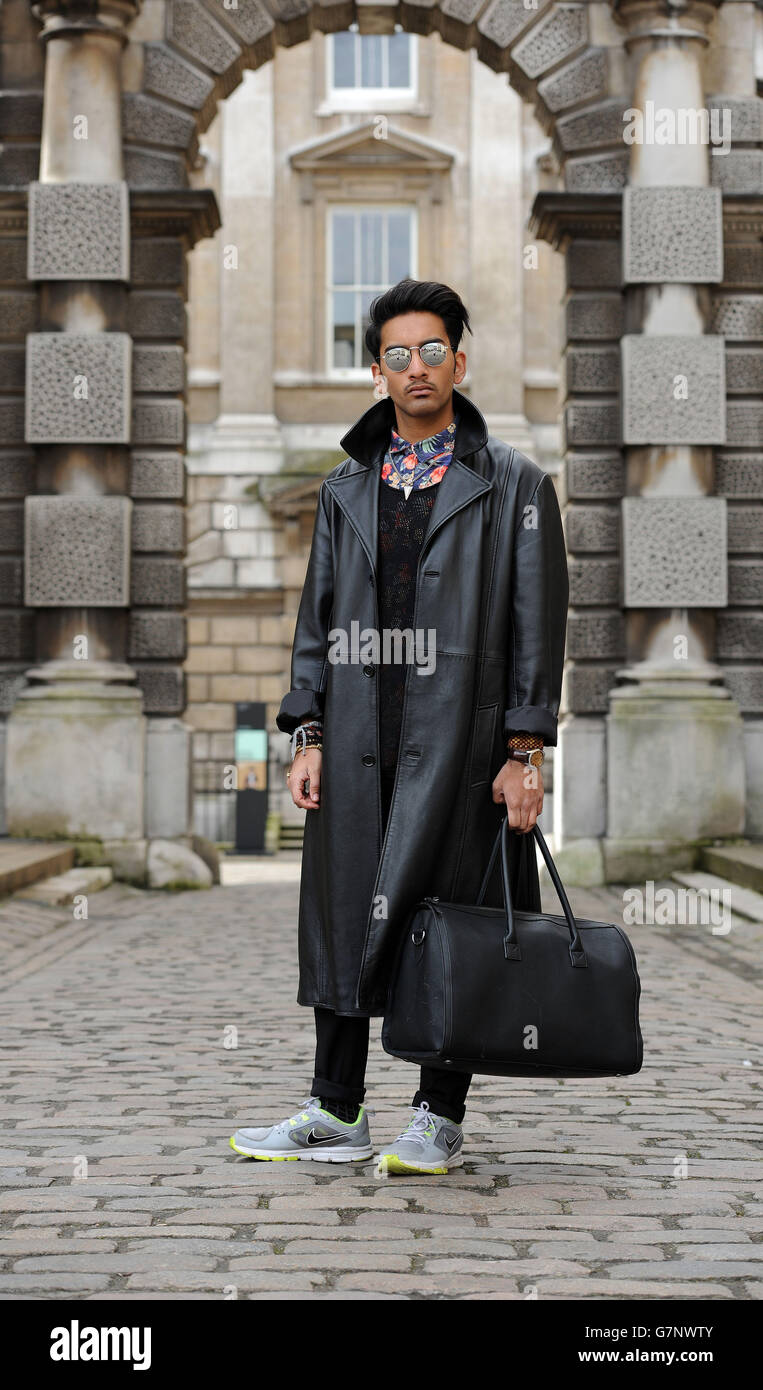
{"points": [[533, 757]]}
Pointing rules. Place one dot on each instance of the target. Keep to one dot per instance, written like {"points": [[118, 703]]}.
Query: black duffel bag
{"points": [[508, 993]]}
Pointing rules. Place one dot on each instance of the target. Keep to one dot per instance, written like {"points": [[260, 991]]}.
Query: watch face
{"points": [[536, 757]]}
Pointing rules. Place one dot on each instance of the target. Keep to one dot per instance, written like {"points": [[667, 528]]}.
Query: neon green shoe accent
{"points": [[347, 1124], [390, 1163], [265, 1158]]}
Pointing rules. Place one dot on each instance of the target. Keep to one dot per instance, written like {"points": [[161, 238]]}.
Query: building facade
{"points": [[148, 387]]}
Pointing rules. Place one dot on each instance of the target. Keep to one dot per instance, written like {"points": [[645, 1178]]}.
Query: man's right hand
{"points": [[306, 767]]}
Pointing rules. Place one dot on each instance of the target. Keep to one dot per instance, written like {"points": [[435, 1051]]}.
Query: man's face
{"points": [[419, 390]]}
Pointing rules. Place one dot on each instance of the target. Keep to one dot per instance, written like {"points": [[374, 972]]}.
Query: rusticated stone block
{"points": [[590, 529], [157, 527], [11, 527], [745, 115], [672, 234], [744, 424], [504, 20], [594, 369], [145, 169], [592, 423], [12, 422], [595, 582], [78, 231], [598, 173], [745, 582], [737, 317], [252, 22], [560, 34], [745, 529], [163, 688], [594, 316], [593, 265], [158, 261], [586, 688], [674, 389], [16, 636], [738, 171], [12, 357], [157, 582], [11, 580], [592, 128], [595, 475], [158, 368], [168, 75], [196, 33], [12, 681], [739, 636], [745, 685], [674, 552], [16, 473], [742, 264], [156, 315], [156, 636], [147, 121], [739, 475], [595, 636], [744, 371], [18, 312], [157, 475], [585, 76], [77, 551], [78, 388], [158, 422]]}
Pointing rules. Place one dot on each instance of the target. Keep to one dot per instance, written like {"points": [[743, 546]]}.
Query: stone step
{"points": [[744, 902], [60, 890], [742, 864], [25, 861]]}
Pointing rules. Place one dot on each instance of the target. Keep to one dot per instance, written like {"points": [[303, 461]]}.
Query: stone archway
{"points": [[109, 221]]}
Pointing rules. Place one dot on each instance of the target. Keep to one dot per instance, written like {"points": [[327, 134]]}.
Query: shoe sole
{"points": [[322, 1156], [390, 1163]]}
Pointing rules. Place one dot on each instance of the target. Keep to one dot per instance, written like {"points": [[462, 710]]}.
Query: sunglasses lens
{"points": [[433, 354], [397, 359]]}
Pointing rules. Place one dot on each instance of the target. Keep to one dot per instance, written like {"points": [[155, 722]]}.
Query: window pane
{"points": [[371, 60], [399, 246], [399, 60], [343, 248], [371, 248], [343, 305], [344, 60]]}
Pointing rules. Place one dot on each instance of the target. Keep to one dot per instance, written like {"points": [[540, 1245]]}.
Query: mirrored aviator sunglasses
{"points": [[398, 359]]}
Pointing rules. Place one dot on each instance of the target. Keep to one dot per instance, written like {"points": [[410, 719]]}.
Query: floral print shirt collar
{"points": [[421, 464]]}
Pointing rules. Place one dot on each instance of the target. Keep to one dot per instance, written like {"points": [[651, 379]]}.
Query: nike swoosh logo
{"points": [[451, 1143], [313, 1138]]}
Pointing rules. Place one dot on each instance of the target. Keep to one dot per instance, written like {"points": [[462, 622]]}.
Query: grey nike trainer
{"points": [[312, 1133]]}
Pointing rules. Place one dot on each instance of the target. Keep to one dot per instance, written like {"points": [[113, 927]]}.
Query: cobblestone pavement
{"points": [[119, 1094]]}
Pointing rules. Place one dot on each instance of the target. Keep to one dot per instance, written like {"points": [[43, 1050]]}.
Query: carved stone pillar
{"points": [[675, 764]]}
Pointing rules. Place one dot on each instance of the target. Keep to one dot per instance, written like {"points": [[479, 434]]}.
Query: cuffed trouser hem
{"points": [[441, 1105], [334, 1090]]}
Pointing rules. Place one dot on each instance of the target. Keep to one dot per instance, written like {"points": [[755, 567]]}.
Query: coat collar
{"points": [[356, 491]]}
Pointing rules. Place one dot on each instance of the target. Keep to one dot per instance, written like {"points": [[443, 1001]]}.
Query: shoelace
{"points": [[419, 1127]]}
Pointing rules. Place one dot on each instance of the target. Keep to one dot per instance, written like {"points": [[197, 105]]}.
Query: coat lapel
{"points": [[357, 490]]}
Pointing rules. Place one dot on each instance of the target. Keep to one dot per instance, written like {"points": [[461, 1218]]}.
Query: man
{"points": [[433, 532]]}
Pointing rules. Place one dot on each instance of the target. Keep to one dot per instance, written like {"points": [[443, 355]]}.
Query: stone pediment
{"points": [[363, 150]]}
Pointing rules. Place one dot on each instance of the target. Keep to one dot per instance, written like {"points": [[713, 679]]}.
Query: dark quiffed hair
{"points": [[417, 296]]}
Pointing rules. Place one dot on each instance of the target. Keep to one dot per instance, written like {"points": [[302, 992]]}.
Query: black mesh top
{"points": [[403, 523]]}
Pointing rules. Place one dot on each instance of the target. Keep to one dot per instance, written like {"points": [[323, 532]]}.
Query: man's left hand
{"points": [[521, 787]]}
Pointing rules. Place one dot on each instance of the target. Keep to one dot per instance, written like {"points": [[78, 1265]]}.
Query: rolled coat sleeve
{"points": [[539, 599], [310, 649]]}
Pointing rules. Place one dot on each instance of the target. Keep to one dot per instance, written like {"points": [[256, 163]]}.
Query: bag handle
{"points": [[511, 948]]}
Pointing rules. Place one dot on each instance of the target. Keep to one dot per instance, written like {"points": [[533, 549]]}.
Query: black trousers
{"points": [[341, 1054], [341, 1050]]}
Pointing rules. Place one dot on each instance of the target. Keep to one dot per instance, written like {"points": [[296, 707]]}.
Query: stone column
{"points": [[76, 736], [675, 766]]}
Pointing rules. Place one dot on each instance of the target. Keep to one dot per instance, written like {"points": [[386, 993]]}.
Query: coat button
{"points": [[369, 670], [368, 759]]}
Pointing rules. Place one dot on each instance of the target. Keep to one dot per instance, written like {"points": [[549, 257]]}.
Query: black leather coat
{"points": [[492, 585]]}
